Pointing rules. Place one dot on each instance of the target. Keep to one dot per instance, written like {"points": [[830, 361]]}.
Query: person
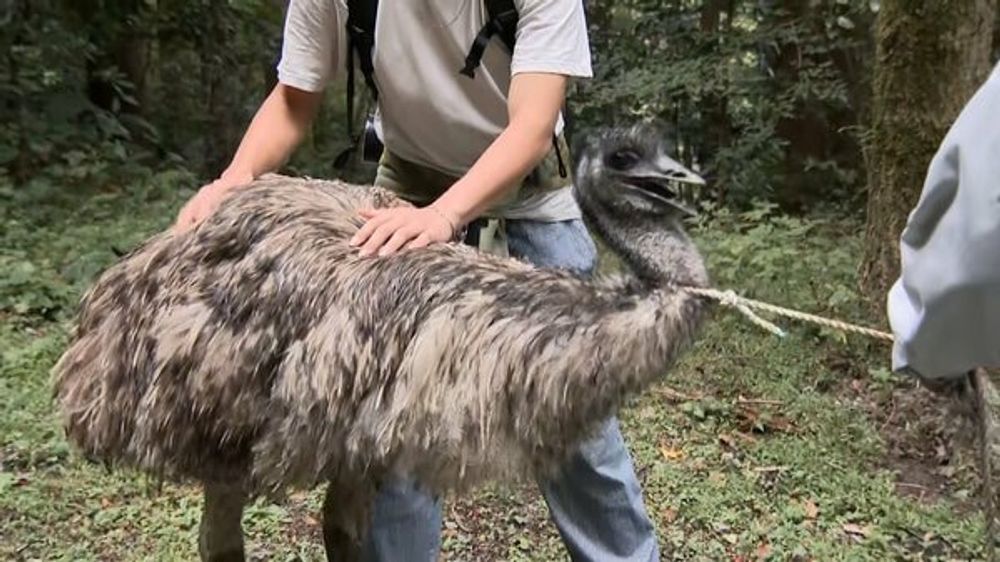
{"points": [[944, 308], [464, 150]]}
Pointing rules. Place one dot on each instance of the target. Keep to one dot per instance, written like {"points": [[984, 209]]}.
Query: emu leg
{"points": [[220, 535], [347, 512]]}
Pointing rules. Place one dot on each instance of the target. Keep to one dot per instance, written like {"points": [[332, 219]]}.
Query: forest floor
{"points": [[752, 448]]}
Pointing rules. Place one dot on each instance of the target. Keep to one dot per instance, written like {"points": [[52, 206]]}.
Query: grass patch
{"points": [[753, 448]]}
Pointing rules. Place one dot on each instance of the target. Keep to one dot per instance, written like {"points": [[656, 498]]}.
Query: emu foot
{"points": [[220, 534], [347, 510]]}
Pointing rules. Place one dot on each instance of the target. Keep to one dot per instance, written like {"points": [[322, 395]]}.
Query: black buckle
{"points": [[475, 56], [470, 234]]}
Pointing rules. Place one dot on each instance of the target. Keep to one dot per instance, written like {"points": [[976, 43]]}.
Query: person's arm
{"points": [[534, 102], [279, 126], [312, 54], [275, 132]]}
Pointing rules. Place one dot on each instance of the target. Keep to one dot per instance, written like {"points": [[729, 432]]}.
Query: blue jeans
{"points": [[595, 502]]}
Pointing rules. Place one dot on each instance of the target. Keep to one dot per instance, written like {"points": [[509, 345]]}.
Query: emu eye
{"points": [[623, 159]]}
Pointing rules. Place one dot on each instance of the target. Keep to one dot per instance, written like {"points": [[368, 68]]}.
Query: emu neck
{"points": [[659, 254], [600, 359]]}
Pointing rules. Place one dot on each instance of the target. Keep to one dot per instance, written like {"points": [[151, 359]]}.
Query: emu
{"points": [[258, 352]]}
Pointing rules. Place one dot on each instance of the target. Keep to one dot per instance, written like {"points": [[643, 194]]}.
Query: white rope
{"points": [[730, 298], [746, 306]]}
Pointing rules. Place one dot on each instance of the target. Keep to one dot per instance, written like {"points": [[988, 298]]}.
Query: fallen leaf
{"points": [[779, 423], [668, 515], [674, 395], [311, 521], [947, 470], [727, 440], [672, 453], [857, 530], [105, 503], [763, 551], [751, 419], [811, 509], [748, 415], [941, 453]]}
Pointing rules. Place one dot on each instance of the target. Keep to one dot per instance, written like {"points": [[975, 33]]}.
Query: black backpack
{"points": [[361, 16]]}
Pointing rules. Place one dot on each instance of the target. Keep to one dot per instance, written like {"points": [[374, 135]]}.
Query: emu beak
{"points": [[662, 178], [673, 170]]}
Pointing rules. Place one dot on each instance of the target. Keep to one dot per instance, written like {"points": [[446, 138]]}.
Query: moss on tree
{"points": [[931, 56]]}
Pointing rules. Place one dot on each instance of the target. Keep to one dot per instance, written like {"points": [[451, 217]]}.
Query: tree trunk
{"points": [[271, 70], [714, 106], [806, 130], [123, 45], [132, 58], [20, 167], [996, 36], [931, 55], [220, 102]]}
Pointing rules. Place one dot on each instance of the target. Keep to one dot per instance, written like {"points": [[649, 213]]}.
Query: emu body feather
{"points": [[259, 348]]}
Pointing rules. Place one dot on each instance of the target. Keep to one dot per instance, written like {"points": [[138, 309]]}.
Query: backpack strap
{"points": [[503, 22], [361, 16], [360, 30]]}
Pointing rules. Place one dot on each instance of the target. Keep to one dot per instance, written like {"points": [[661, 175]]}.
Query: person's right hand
{"points": [[208, 198]]}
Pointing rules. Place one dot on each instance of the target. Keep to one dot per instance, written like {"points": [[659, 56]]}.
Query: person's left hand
{"points": [[387, 230]]}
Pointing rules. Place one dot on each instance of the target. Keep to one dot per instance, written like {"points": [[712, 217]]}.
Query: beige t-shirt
{"points": [[428, 112]]}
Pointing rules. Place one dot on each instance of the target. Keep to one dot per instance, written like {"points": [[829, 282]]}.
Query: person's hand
{"points": [[388, 230], [208, 198]]}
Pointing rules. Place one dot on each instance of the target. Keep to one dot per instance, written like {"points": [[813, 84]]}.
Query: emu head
{"points": [[629, 189], [625, 174]]}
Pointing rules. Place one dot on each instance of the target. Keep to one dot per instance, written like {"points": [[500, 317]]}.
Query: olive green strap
{"points": [[417, 184], [493, 238], [421, 185]]}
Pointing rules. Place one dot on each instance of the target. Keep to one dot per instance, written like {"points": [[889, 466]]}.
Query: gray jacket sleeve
{"points": [[945, 307]]}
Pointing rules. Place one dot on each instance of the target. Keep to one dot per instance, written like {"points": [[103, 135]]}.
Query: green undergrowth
{"points": [[753, 448]]}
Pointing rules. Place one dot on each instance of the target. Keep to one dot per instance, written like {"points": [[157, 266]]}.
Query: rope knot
{"points": [[729, 298]]}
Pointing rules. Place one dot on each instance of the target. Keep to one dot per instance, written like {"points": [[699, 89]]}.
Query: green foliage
{"points": [[764, 254], [761, 98], [51, 248], [46, 121], [24, 291], [96, 92], [760, 247]]}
